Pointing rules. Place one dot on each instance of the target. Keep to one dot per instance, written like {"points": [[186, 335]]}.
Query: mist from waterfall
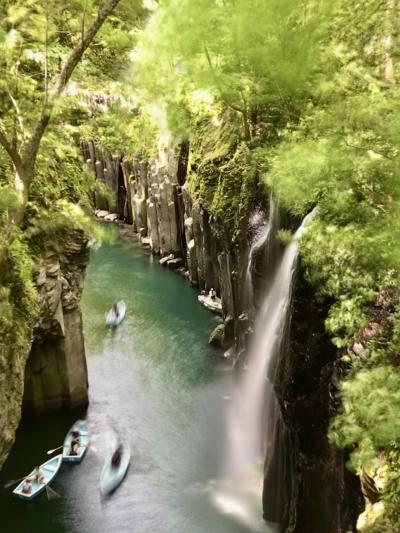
{"points": [[253, 411]]}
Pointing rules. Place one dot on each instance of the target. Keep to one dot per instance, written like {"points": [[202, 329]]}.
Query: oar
{"points": [[14, 481], [51, 494], [54, 450]]}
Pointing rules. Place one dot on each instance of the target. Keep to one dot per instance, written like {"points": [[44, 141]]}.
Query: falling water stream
{"points": [[253, 410]]}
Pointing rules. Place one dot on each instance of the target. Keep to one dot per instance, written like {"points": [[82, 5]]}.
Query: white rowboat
{"points": [[111, 477], [84, 439], [112, 319], [49, 470]]}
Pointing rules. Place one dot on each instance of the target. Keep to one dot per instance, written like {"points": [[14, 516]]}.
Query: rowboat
{"points": [[213, 305], [113, 319], [84, 439], [111, 477], [48, 469]]}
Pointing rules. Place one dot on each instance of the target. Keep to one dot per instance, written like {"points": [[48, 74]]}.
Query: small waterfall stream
{"points": [[260, 241], [253, 411]]}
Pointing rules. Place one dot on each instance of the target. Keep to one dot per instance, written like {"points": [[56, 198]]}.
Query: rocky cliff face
{"points": [[155, 199], [49, 373], [318, 495], [56, 374], [12, 364]]}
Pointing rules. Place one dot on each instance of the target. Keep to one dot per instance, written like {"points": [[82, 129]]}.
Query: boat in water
{"points": [[49, 470], [80, 427], [213, 304], [113, 318], [112, 476]]}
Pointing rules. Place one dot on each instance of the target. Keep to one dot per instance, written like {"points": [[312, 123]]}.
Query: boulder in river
{"points": [[217, 336]]}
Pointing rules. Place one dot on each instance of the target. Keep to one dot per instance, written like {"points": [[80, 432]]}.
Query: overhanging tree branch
{"points": [[218, 84], [12, 152], [30, 148], [80, 48], [242, 110]]}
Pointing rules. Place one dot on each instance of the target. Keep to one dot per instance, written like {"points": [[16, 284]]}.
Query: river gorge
{"points": [[172, 393], [226, 171]]}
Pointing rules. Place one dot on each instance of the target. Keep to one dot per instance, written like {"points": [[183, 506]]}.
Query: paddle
{"points": [[13, 482], [54, 450], [51, 494]]}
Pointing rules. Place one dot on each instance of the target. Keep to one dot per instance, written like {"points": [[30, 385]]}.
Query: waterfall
{"points": [[252, 415], [260, 241]]}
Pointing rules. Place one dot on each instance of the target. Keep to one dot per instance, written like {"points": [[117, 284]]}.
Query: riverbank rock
{"points": [[217, 336], [165, 259]]}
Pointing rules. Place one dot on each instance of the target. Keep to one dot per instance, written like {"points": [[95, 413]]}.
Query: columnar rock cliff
{"points": [[49, 373], [156, 200], [56, 374]]}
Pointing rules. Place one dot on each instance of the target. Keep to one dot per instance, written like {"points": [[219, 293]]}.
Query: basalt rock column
{"points": [[56, 373]]}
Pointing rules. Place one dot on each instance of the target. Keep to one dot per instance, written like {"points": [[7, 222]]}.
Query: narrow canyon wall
{"points": [[49, 373], [154, 198], [319, 495], [56, 374], [12, 364]]}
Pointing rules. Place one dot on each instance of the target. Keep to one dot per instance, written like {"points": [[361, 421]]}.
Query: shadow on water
{"points": [[154, 382]]}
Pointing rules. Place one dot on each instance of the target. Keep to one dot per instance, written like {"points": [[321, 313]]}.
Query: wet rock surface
{"points": [[319, 494]]}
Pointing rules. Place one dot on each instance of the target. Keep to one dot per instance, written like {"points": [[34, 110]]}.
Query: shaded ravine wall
{"points": [[50, 373], [324, 496], [317, 495], [56, 373]]}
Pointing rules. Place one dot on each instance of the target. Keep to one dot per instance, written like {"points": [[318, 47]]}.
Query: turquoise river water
{"points": [[154, 382]]}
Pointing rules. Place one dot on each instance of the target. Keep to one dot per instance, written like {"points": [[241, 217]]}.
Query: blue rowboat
{"points": [[49, 470], [111, 477], [112, 319], [84, 439]]}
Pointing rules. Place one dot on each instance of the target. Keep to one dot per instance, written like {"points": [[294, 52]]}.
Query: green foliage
{"points": [[373, 423], [284, 236], [122, 129], [343, 156], [223, 176], [18, 300], [240, 54], [60, 173]]}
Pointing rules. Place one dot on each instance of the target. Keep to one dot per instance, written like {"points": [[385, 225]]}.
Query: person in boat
{"points": [[38, 476], [27, 486], [75, 443], [212, 294], [115, 312], [116, 458]]}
